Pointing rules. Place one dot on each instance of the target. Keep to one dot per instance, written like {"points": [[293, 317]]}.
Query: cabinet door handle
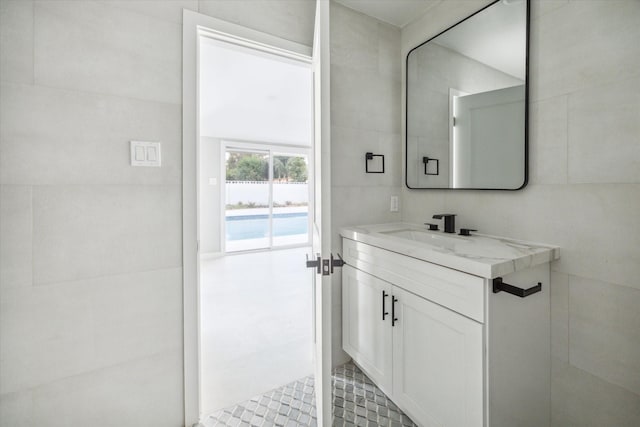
{"points": [[384, 310], [394, 319]]}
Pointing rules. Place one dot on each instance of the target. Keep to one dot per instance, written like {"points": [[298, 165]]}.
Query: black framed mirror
{"points": [[467, 103]]}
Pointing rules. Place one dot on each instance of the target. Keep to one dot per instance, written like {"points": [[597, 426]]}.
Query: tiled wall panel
{"points": [[365, 117], [583, 195], [90, 247]]}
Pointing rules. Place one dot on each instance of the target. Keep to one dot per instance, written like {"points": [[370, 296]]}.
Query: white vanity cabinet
{"points": [[367, 328], [433, 355], [437, 363], [441, 344]]}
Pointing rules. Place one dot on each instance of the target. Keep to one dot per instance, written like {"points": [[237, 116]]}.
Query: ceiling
{"points": [[394, 12], [495, 37], [240, 85]]}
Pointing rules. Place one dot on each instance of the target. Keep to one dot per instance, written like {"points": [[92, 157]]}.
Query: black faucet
{"points": [[449, 222]]}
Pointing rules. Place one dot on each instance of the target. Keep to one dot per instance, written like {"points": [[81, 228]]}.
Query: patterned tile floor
{"points": [[356, 402]]}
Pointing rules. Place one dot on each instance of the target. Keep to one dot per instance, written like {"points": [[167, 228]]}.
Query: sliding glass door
{"points": [[266, 197], [290, 199], [247, 200]]}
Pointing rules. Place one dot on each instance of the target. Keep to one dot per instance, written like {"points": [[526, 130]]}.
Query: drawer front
{"points": [[460, 292]]}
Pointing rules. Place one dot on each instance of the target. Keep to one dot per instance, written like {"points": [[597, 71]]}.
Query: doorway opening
{"points": [[255, 178]]}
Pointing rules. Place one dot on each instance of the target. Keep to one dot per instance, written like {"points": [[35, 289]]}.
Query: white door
{"points": [[366, 324], [437, 363], [488, 139], [322, 213]]}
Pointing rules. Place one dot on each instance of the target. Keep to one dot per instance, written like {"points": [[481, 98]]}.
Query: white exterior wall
{"points": [[259, 192]]}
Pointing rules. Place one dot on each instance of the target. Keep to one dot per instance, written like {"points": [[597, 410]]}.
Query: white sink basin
{"points": [[464, 246], [430, 238], [482, 255]]}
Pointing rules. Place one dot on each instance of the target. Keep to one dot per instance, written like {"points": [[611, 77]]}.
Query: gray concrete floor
{"points": [[256, 325]]}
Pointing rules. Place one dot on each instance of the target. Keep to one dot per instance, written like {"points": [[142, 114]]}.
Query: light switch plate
{"points": [[145, 153], [394, 204]]}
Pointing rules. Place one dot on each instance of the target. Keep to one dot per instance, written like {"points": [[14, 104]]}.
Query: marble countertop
{"points": [[480, 254]]}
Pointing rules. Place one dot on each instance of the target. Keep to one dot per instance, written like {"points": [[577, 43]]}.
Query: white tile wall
{"points": [[16, 40], [546, 6], [353, 205], [560, 316], [364, 100], [593, 225], [389, 58], [125, 394], [365, 117], [97, 48], [17, 409], [600, 122], [583, 195], [90, 231], [343, 140], [353, 41], [85, 139], [289, 19], [16, 232], [91, 248], [166, 10], [583, 44], [45, 331], [580, 399], [118, 324], [64, 329], [548, 141], [435, 20], [604, 330]]}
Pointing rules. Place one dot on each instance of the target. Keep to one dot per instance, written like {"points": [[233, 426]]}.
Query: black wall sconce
{"points": [[426, 161], [368, 158]]}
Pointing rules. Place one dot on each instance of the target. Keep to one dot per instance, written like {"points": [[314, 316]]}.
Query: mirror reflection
{"points": [[466, 103]]}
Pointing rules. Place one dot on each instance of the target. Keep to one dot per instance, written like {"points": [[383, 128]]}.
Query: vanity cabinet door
{"points": [[365, 335], [437, 363]]}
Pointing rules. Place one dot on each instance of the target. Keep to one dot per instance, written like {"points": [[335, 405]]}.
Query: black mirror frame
{"points": [[526, 106]]}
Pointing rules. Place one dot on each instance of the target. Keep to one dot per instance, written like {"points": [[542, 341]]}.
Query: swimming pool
{"points": [[243, 227]]}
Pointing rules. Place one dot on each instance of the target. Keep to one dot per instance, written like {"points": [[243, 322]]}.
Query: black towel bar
{"points": [[499, 285]]}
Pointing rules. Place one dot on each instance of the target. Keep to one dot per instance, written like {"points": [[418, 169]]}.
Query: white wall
{"points": [[365, 116], [90, 248], [583, 195]]}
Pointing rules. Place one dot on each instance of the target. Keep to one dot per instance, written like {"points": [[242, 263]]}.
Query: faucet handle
{"points": [[440, 216], [433, 227], [466, 231]]}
